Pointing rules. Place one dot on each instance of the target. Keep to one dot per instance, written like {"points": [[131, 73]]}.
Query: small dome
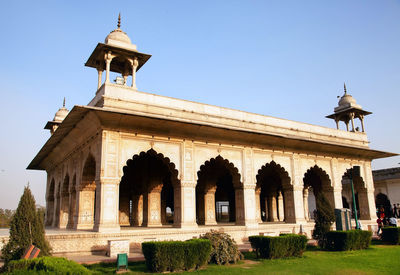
{"points": [[118, 38], [118, 35], [347, 100], [61, 114]]}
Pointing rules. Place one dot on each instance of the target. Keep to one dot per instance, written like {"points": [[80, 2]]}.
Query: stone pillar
{"points": [[163, 212], [337, 198], [185, 205], [366, 202], [50, 210], [347, 125], [108, 57], [362, 123], [107, 202], [209, 206], [296, 197], [266, 209], [134, 64], [273, 214], [124, 210], [258, 206], [137, 210], [337, 123], [57, 207], [64, 210], [99, 78], [152, 206], [85, 210], [281, 211], [305, 203], [352, 121], [246, 210], [72, 204]]}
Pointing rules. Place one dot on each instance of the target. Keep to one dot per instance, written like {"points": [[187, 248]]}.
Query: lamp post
{"points": [[355, 172]]}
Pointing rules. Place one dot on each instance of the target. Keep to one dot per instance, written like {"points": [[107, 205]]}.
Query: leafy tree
{"points": [[324, 218], [26, 228]]}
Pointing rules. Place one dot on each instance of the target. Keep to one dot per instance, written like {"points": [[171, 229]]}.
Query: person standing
{"points": [[380, 225]]}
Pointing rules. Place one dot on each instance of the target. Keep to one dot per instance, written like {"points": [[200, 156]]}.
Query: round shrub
{"points": [[224, 249]]}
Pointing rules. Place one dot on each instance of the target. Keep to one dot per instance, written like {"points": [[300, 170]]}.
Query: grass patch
{"points": [[378, 259]]}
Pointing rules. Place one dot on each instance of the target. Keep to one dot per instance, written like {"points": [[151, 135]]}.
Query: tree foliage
{"points": [[5, 217], [324, 218], [26, 228]]}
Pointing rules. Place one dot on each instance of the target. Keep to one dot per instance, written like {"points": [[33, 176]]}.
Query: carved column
{"points": [[85, 211], [64, 210], [273, 214], [134, 64], [266, 209], [258, 207], [99, 77], [152, 206], [72, 204], [209, 206], [352, 121], [305, 203], [163, 212], [108, 58], [281, 211], [50, 210], [137, 210], [185, 205], [107, 202], [362, 123]]}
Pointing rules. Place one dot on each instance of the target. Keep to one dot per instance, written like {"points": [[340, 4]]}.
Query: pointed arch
{"points": [[147, 189], [360, 193], [219, 193], [274, 194], [316, 181]]}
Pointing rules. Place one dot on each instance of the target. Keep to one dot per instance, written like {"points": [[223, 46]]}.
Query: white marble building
{"points": [[143, 166]]}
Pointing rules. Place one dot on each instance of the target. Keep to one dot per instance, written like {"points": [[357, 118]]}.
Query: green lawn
{"points": [[378, 259]]}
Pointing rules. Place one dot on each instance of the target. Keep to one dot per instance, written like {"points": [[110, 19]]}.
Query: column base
{"points": [[84, 226], [186, 225], [107, 228], [152, 225], [210, 223]]}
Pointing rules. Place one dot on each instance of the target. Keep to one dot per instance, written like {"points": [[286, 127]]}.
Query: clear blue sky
{"points": [[286, 59]]}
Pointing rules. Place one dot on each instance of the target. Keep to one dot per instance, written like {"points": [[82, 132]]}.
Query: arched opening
{"points": [[360, 194], [146, 196], [217, 192], [72, 203], [88, 193], [64, 214], [316, 182], [273, 199], [50, 204], [383, 204]]}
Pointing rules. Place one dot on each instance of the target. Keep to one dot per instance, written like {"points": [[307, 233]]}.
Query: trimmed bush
{"points": [[46, 265], [224, 248], [348, 240], [391, 235], [325, 216], [289, 245], [176, 255]]}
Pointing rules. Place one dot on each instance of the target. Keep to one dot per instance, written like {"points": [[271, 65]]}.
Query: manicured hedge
{"points": [[176, 255], [45, 265], [288, 245], [391, 235], [348, 240]]}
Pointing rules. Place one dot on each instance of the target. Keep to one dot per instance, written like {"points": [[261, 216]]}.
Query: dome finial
{"points": [[64, 102], [119, 21], [345, 90]]}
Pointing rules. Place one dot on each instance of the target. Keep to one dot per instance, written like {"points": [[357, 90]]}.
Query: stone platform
{"points": [[76, 243]]}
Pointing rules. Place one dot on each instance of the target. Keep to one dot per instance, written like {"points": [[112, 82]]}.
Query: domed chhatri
{"points": [[119, 38], [60, 115], [347, 110], [117, 54]]}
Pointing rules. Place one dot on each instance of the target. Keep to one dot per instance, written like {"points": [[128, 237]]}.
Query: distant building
{"points": [[387, 187]]}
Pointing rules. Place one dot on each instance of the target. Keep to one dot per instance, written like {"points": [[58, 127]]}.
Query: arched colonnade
{"points": [[150, 194]]}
